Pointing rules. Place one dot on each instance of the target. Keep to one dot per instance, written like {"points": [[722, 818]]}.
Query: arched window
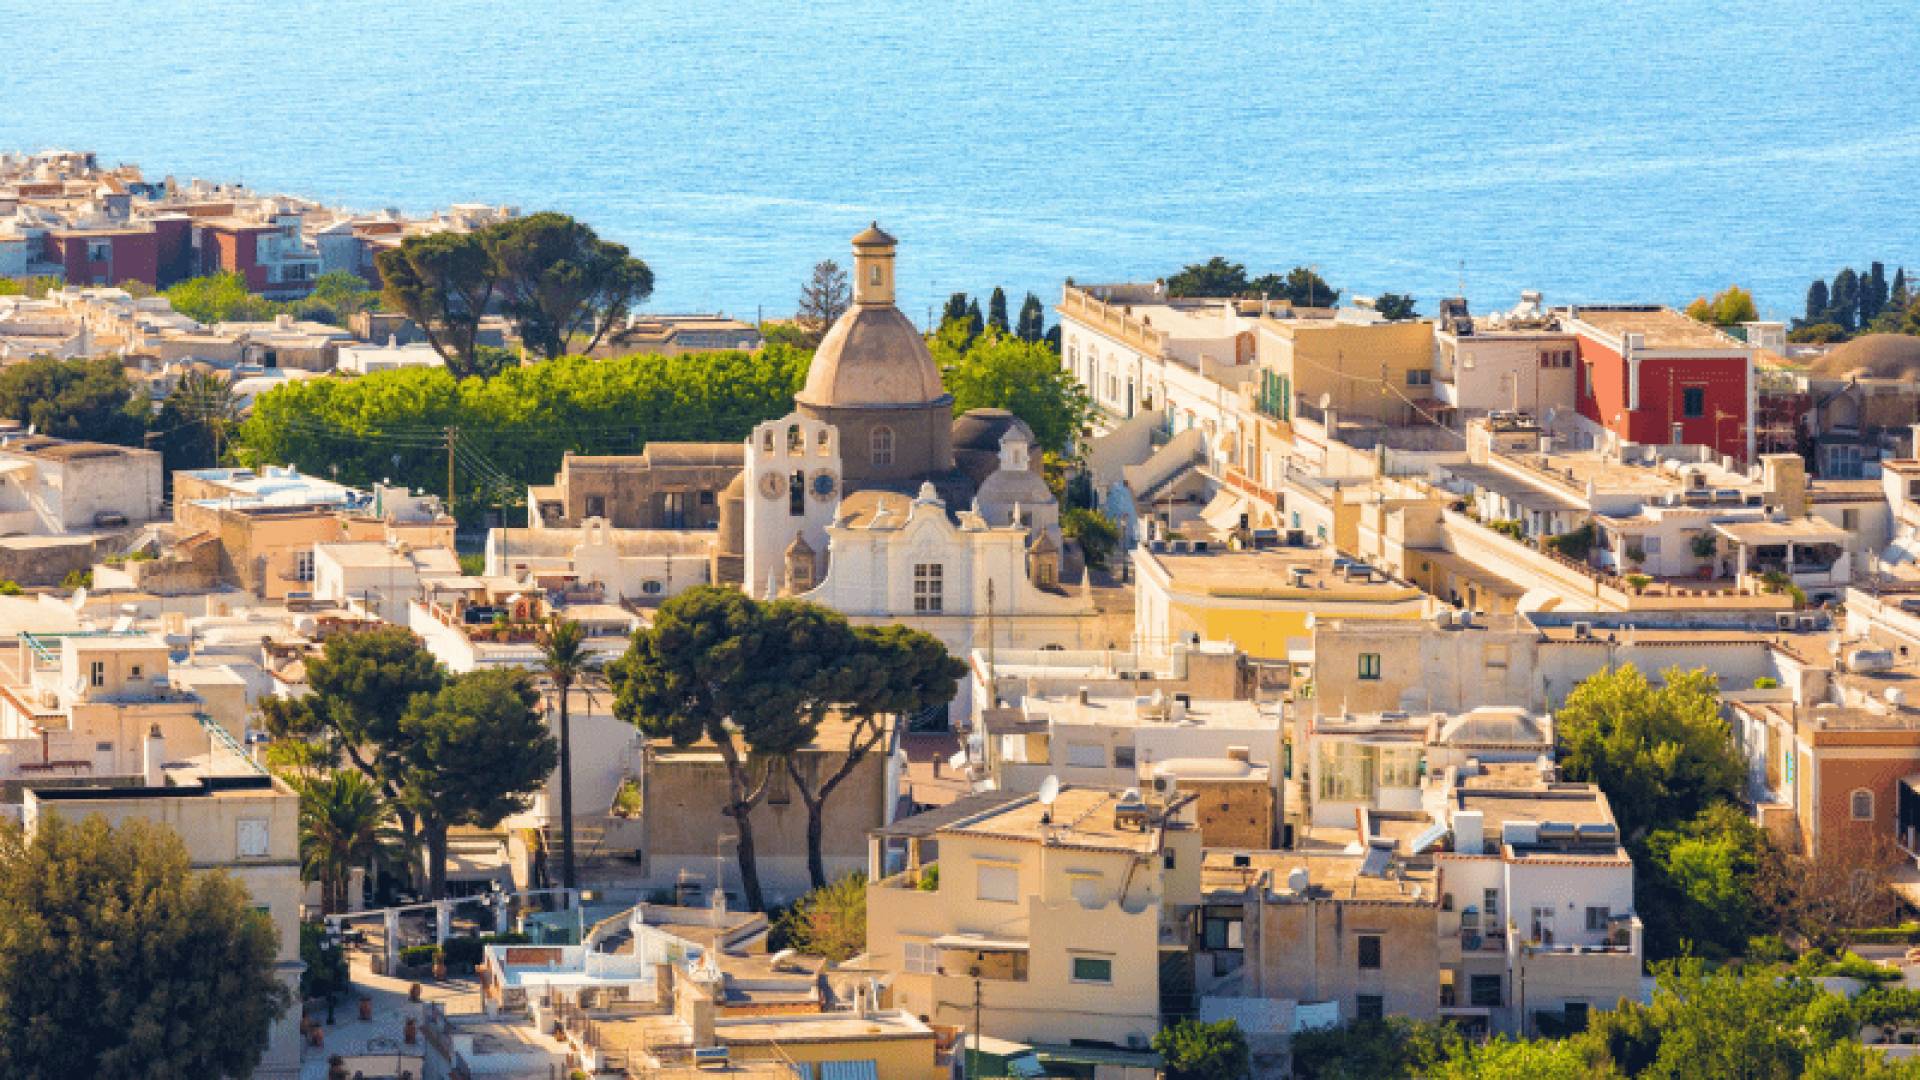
{"points": [[873, 274], [881, 445], [796, 440], [1861, 804], [821, 443], [766, 440]]}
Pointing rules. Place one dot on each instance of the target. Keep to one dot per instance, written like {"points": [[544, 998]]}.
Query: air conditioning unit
{"points": [[1783, 620]]}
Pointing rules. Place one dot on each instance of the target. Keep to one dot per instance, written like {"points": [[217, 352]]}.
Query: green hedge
{"points": [[419, 955]]}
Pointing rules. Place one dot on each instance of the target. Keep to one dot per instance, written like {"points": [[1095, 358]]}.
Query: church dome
{"points": [[1873, 356], [872, 356], [982, 429]]}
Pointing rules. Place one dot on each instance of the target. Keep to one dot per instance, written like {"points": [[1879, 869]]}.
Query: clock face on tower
{"points": [[772, 484], [823, 485]]}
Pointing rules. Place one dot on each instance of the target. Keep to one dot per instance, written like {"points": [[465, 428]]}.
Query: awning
{"points": [[1224, 511], [978, 943]]}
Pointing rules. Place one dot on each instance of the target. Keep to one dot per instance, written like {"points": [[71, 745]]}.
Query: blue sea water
{"points": [[1630, 150]]}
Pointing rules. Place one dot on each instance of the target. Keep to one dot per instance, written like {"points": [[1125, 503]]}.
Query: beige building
{"points": [[234, 817], [665, 486], [1381, 372], [1053, 914]]}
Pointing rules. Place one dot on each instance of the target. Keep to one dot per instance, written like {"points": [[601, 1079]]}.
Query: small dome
{"points": [[1873, 356], [873, 356], [874, 236], [982, 429]]}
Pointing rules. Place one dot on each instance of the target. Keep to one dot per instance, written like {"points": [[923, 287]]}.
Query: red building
{"points": [[1654, 376], [106, 256]]}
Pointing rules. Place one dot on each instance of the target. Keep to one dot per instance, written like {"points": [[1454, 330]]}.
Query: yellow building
{"points": [[1263, 601], [1365, 371], [1044, 921]]}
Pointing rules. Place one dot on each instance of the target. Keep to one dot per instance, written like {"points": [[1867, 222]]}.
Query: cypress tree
{"points": [[1899, 298], [997, 309], [975, 323], [1843, 298], [956, 308], [1033, 319], [1816, 303], [1873, 293]]}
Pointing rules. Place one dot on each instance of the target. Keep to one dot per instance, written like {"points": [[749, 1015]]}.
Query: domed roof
{"points": [[872, 356], [982, 429], [1875, 356], [873, 236]]}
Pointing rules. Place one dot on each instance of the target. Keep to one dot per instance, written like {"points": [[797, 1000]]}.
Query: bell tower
{"points": [[873, 267]]}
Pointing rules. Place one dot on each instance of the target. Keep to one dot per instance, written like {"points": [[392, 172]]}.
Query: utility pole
{"points": [[453, 434], [973, 1066]]}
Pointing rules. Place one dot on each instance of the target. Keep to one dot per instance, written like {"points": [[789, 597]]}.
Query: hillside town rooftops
{"points": [[1658, 327], [1079, 817]]}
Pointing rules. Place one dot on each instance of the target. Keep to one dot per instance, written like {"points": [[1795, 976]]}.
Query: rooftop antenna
{"points": [[1049, 791], [1461, 281]]}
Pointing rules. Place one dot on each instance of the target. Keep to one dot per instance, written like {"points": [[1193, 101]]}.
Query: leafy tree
{"points": [[327, 973], [997, 311], [218, 298], [1395, 307], [1824, 333], [1502, 1058], [121, 961], [718, 665], [1194, 1050], [1215, 277], [195, 420], [1729, 307], [1033, 320], [830, 921], [1662, 754], [1097, 533], [337, 296], [474, 752], [996, 371], [444, 281], [1817, 303], [1704, 1023], [872, 673], [823, 299], [1373, 1049], [565, 661], [522, 421], [74, 399], [1694, 885], [1844, 886], [1306, 288], [559, 281], [343, 825]]}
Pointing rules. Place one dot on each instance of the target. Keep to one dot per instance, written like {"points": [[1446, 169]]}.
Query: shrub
{"points": [[1576, 544], [462, 953], [1766, 682], [929, 878], [1636, 554], [77, 579], [1508, 527], [1639, 582], [1704, 545], [419, 956], [10, 587]]}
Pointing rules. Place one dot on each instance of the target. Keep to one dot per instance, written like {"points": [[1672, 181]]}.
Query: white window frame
{"points": [[1073, 972], [996, 882]]}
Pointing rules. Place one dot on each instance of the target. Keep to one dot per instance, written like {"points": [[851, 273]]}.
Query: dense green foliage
{"points": [[224, 297], [1395, 306], [1195, 1050], [475, 751], [830, 921], [120, 961], [1729, 307], [1856, 302], [1098, 534], [327, 969], [195, 421], [514, 428], [757, 679], [1662, 754], [74, 399], [998, 371], [1694, 885], [1301, 286]]}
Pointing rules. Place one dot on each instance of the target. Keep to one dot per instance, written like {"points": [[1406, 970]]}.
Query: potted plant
{"points": [[366, 1008], [1639, 582], [1636, 555], [1705, 546]]}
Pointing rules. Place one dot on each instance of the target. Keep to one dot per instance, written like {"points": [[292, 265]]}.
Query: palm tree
{"points": [[343, 824], [566, 662]]}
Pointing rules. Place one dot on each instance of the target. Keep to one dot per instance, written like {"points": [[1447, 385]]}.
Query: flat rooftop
{"points": [[1279, 573], [1330, 875], [1130, 711], [1660, 327], [1080, 817]]}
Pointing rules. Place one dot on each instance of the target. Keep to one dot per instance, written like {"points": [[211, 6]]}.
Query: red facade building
{"points": [[1654, 376]]}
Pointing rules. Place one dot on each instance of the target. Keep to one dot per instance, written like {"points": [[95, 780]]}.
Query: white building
{"points": [[378, 578], [51, 487]]}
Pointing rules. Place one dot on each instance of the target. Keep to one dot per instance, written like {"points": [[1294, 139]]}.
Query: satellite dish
{"points": [[79, 598], [1049, 790]]}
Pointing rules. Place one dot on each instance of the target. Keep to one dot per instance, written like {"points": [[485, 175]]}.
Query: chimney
{"points": [[154, 759]]}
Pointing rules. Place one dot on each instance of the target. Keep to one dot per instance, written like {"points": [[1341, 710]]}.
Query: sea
{"points": [[1632, 150]]}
